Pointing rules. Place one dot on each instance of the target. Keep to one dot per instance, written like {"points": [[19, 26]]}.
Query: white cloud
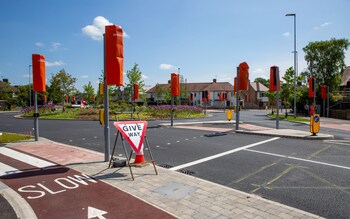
{"points": [[55, 63], [144, 76], [286, 34], [97, 29], [167, 67], [55, 46], [258, 71], [84, 76], [325, 24], [39, 44]]}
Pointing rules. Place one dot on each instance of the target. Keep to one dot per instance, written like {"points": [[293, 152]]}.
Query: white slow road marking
{"points": [[25, 158], [300, 159], [221, 154], [7, 170]]}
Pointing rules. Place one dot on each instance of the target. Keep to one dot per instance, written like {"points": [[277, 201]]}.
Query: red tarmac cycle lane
{"points": [[61, 192]]}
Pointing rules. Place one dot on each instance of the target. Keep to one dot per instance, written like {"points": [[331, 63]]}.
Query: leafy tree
{"points": [[183, 88], [287, 88], [325, 60], [61, 84], [7, 95], [23, 95], [264, 81], [135, 77], [159, 92], [89, 91]]}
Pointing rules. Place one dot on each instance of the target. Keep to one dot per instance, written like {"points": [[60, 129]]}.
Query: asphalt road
{"points": [[310, 175]]}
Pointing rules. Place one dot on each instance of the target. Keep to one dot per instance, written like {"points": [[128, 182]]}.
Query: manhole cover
{"points": [[175, 190]]}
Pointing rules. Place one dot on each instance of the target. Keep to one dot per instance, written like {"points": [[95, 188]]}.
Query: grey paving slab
{"points": [[198, 199]]}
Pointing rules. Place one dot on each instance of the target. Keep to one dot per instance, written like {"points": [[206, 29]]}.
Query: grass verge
{"points": [[12, 137], [288, 118]]}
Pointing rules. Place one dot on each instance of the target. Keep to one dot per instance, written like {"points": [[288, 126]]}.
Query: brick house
{"points": [[256, 98], [195, 90]]}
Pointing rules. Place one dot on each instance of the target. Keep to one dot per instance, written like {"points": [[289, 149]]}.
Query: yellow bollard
{"points": [[229, 115]]}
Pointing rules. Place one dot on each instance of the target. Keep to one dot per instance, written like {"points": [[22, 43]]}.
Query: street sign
{"points": [[134, 132]]}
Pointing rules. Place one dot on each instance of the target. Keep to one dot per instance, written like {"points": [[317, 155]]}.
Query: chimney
{"points": [[214, 80]]}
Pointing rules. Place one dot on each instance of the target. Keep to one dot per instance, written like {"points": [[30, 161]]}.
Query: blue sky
{"points": [[206, 38]]}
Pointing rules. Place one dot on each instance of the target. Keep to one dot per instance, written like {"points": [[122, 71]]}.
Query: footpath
{"points": [[169, 194]]}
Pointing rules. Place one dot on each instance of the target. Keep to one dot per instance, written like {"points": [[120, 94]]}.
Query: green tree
{"points": [[7, 95], [287, 87], [325, 60], [183, 89], [61, 84], [89, 91], [22, 95], [134, 76], [159, 92], [264, 81]]}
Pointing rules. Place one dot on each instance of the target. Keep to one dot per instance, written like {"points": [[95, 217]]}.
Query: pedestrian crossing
{"points": [[8, 164]]}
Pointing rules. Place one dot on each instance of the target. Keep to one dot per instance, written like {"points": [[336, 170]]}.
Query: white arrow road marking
{"points": [[94, 212]]}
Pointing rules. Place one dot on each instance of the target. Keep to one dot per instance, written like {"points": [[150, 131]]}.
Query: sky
{"points": [[204, 39]]}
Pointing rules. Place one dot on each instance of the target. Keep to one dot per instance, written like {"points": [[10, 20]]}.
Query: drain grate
{"points": [[188, 172], [216, 134], [166, 166]]}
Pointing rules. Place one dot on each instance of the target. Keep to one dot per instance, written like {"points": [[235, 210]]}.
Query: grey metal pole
{"points": [[36, 117], [172, 111], [295, 64], [277, 100], [30, 88], [237, 102], [178, 71], [106, 105]]}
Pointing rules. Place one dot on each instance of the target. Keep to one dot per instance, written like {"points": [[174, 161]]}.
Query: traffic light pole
{"points": [[237, 102], [106, 106]]}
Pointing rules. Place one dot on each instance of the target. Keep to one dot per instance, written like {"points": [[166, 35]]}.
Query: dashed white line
{"points": [[221, 154]]}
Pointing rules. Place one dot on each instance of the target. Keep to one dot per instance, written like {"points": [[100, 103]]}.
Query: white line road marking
{"points": [[300, 159], [339, 142], [7, 170], [221, 154], [25, 158]]}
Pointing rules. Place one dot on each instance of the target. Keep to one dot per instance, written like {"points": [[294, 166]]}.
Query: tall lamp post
{"points": [[30, 88], [295, 61]]}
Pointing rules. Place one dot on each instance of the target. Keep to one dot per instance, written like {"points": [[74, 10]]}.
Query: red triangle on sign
{"points": [[134, 132]]}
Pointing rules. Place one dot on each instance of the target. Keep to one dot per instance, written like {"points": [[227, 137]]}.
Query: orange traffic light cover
{"points": [[114, 55], [243, 76], [39, 74], [175, 85]]}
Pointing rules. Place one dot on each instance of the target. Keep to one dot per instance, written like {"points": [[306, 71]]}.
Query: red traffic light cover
{"points": [[243, 76], [39, 74], [175, 85], [114, 55]]}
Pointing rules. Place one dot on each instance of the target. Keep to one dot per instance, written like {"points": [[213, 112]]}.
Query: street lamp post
{"points": [[30, 88], [295, 61]]}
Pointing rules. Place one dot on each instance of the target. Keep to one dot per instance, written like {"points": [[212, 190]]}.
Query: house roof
{"points": [[346, 77], [195, 87], [259, 87]]}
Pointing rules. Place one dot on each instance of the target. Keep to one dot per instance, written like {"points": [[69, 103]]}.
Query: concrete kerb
{"points": [[288, 133]]}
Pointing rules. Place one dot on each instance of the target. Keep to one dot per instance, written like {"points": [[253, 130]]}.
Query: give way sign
{"points": [[134, 132]]}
